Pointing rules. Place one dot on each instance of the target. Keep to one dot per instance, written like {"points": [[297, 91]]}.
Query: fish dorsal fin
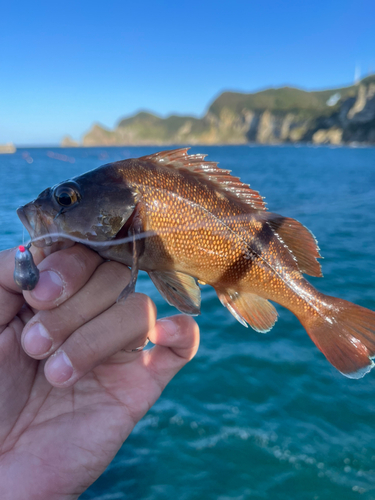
{"points": [[249, 308], [300, 242], [208, 173], [179, 290]]}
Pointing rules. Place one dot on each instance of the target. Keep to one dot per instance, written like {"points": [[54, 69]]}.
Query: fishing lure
{"points": [[26, 274]]}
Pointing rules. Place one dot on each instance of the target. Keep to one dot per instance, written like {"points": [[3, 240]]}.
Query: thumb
{"points": [[176, 342]]}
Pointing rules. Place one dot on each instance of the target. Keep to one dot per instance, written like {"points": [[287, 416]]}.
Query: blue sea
{"points": [[253, 416]]}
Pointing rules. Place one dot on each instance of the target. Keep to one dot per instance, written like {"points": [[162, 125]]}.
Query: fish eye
{"points": [[67, 195]]}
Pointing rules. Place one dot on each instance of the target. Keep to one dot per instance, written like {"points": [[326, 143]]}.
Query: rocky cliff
{"points": [[336, 116]]}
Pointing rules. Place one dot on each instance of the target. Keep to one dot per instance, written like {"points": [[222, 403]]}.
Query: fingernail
{"points": [[169, 326], [49, 287], [37, 340], [59, 368]]}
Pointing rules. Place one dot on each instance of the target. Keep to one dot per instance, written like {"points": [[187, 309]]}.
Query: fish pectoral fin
{"points": [[179, 290], [249, 308]]}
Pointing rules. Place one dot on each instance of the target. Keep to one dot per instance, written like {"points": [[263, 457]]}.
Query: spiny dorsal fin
{"points": [[249, 308], [300, 242], [210, 174]]}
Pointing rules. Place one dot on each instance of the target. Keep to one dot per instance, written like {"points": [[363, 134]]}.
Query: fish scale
{"points": [[205, 252]]}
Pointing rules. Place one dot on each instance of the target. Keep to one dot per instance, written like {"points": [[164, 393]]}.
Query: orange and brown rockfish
{"points": [[192, 222]]}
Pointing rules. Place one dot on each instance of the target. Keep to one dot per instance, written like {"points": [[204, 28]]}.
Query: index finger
{"points": [[11, 298], [62, 274]]}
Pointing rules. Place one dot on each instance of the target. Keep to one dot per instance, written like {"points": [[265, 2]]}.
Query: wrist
{"points": [[21, 478]]}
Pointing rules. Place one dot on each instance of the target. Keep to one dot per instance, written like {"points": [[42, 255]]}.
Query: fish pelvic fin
{"points": [[179, 290], [210, 175], [299, 240], [249, 308], [345, 334]]}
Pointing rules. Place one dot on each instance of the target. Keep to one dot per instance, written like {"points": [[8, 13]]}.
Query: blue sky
{"points": [[65, 65]]}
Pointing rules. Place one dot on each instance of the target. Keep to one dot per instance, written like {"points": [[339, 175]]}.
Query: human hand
{"points": [[67, 405]]}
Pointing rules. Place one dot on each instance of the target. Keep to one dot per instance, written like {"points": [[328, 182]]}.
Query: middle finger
{"points": [[48, 329]]}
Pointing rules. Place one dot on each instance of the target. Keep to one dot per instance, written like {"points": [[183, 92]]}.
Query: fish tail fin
{"points": [[345, 333]]}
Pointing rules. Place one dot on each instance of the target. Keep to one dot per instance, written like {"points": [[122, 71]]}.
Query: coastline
{"points": [[8, 148]]}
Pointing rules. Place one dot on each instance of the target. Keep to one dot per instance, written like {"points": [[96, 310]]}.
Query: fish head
{"points": [[92, 207]]}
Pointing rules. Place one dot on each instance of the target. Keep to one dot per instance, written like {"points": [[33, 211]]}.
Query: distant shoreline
{"points": [[8, 148], [283, 115], [176, 146]]}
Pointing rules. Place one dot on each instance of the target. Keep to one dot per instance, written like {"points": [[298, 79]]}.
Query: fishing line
{"points": [[100, 244], [257, 216], [104, 244], [128, 239], [331, 205], [190, 226]]}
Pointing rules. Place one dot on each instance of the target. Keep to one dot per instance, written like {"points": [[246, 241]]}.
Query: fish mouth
{"points": [[25, 221], [35, 226], [40, 231]]}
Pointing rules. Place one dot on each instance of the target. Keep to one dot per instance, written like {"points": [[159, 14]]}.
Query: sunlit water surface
{"points": [[252, 416]]}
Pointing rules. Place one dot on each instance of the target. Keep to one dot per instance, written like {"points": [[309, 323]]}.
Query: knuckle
{"points": [[75, 259], [116, 272], [83, 258], [190, 323], [188, 338], [145, 307], [84, 343]]}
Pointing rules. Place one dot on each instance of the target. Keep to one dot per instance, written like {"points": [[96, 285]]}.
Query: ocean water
{"points": [[253, 416]]}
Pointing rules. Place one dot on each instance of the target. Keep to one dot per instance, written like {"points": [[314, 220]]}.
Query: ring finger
{"points": [[123, 326]]}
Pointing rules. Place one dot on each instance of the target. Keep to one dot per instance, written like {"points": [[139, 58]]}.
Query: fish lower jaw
{"points": [[37, 227], [51, 244], [47, 241], [44, 240]]}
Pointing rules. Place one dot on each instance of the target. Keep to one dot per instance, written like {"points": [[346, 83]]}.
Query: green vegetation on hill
{"points": [[269, 116], [280, 100], [151, 127]]}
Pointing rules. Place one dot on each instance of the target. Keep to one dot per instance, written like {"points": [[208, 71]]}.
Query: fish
{"points": [[187, 222]]}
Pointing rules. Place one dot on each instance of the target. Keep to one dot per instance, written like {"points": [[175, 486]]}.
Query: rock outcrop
{"points": [[68, 142], [272, 116], [8, 148]]}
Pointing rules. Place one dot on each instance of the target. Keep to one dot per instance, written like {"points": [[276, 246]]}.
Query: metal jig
{"points": [[26, 274]]}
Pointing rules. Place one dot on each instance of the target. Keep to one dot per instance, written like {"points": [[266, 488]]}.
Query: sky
{"points": [[65, 65]]}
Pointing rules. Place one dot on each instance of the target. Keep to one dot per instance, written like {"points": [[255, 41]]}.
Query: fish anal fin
{"points": [[300, 241], [209, 174], [179, 290], [249, 308]]}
